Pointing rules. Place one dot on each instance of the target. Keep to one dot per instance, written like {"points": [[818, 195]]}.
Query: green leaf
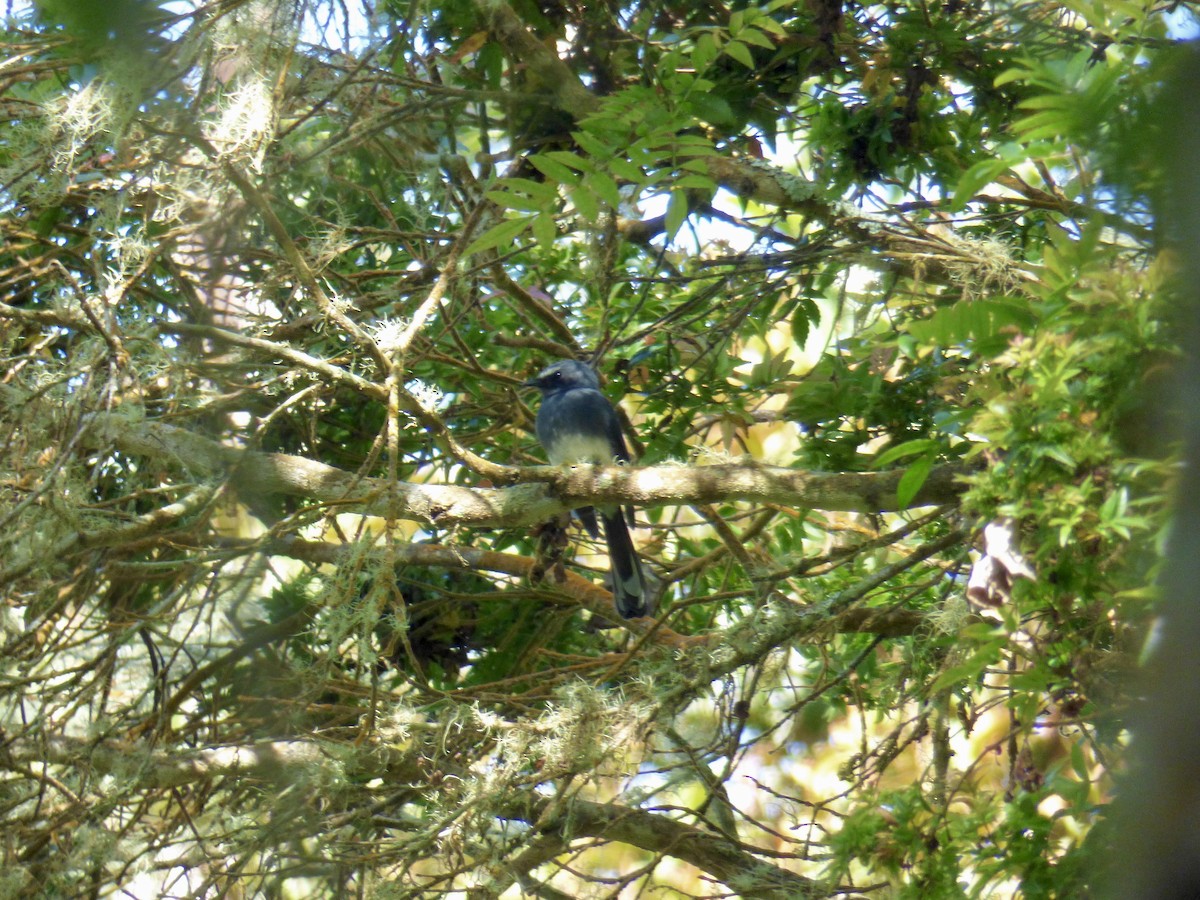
{"points": [[756, 37], [1012, 75], [585, 203], [677, 211], [545, 230], [504, 234], [604, 187], [524, 194], [712, 108], [704, 52], [699, 182], [520, 202], [973, 320], [741, 53], [554, 169], [908, 448], [766, 23], [912, 479], [985, 172], [984, 656], [1042, 126], [692, 145], [626, 170], [697, 165], [570, 160], [592, 144]]}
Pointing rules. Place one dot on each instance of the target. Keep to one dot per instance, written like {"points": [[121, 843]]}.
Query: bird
{"points": [[575, 424]]}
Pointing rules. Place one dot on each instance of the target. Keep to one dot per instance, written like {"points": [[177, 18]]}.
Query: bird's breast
{"points": [[567, 448]]}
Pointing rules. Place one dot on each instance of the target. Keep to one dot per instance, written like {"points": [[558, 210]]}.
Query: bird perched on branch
{"points": [[577, 424]]}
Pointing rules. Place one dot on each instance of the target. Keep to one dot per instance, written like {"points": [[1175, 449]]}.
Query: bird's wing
{"points": [[612, 425]]}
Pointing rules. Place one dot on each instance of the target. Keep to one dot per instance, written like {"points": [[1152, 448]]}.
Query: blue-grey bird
{"points": [[577, 424]]}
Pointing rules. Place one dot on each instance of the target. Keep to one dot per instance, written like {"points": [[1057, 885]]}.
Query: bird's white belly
{"points": [[570, 449]]}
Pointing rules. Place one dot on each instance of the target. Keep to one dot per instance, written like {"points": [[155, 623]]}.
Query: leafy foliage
{"points": [[881, 293]]}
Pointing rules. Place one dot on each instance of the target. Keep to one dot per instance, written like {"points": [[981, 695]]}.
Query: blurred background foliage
{"points": [[826, 236]]}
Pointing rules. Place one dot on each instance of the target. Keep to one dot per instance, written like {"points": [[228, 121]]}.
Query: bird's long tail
{"points": [[629, 587]]}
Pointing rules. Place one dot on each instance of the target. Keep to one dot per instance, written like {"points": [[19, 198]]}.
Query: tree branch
{"points": [[335, 374], [778, 623], [457, 556], [751, 179], [718, 856], [555, 75], [556, 491]]}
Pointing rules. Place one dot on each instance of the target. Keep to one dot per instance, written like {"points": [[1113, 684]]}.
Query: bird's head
{"points": [[565, 375]]}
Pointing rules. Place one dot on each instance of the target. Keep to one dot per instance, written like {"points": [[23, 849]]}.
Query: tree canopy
{"points": [[293, 605]]}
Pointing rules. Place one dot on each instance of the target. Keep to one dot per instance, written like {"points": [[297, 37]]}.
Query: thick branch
{"points": [[712, 853], [555, 75], [557, 491]]}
